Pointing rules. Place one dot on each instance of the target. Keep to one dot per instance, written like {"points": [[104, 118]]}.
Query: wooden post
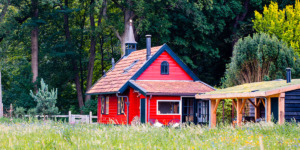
{"points": [[1, 104], [239, 115], [70, 117], [223, 114], [213, 114], [281, 108], [257, 109], [91, 115], [232, 111], [268, 109], [10, 110]]}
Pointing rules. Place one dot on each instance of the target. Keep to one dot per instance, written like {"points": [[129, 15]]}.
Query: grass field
{"points": [[57, 135]]}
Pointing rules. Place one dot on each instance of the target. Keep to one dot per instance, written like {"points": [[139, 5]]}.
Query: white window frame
{"points": [[106, 105], [179, 113]]}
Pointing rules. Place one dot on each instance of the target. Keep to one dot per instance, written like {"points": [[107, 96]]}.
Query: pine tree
{"points": [[45, 99]]}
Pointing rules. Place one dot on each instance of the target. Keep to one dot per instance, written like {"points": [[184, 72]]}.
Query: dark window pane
{"points": [[168, 107], [164, 67]]}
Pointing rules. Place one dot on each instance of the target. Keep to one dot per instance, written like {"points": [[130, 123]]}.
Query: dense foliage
{"points": [[70, 43], [50, 135], [285, 23], [260, 57]]}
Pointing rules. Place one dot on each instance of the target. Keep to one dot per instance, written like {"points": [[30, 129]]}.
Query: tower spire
{"points": [[130, 44]]}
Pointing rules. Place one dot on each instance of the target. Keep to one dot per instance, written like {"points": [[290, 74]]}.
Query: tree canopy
{"points": [[70, 43], [260, 57], [284, 23]]}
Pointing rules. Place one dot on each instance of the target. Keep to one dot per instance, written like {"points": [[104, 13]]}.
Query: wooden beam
{"points": [[281, 108], [252, 102], [259, 101], [239, 115], [234, 103], [213, 115], [268, 109], [257, 108], [243, 105], [216, 107]]}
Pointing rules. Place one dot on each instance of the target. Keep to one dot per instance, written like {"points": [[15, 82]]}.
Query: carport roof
{"points": [[250, 90]]}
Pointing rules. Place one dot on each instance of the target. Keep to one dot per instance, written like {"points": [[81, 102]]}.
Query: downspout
{"points": [[127, 105], [149, 108]]}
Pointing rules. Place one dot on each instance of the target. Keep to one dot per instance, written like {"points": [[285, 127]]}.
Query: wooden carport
{"points": [[262, 92]]}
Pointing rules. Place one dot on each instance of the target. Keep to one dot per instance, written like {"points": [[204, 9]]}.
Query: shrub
{"points": [[31, 112], [90, 105], [19, 112], [45, 99]]}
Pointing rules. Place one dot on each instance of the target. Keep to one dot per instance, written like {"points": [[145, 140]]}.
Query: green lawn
{"points": [[53, 135]]}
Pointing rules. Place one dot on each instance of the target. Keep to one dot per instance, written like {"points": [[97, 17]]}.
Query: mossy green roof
{"points": [[256, 87]]}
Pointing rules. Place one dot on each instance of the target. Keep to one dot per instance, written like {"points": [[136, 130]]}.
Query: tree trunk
{"points": [[74, 64], [128, 14], [92, 51], [102, 54], [34, 43]]}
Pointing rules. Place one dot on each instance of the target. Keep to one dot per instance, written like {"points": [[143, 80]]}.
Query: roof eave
{"points": [[100, 93], [170, 94], [248, 94]]}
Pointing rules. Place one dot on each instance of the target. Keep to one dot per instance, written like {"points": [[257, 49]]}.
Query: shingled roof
{"points": [[117, 77], [157, 87], [130, 67]]}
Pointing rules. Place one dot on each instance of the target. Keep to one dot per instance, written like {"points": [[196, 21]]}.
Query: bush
{"points": [[45, 99], [90, 105], [19, 112], [32, 112]]}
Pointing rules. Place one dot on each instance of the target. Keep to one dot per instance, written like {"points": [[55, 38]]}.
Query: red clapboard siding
{"points": [[175, 71], [134, 107], [113, 116], [153, 109]]}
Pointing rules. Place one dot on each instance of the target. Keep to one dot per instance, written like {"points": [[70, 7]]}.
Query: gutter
{"points": [[127, 105]]}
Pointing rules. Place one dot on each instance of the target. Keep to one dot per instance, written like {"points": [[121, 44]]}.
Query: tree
{"points": [[285, 23], [34, 40], [260, 57], [45, 99]]}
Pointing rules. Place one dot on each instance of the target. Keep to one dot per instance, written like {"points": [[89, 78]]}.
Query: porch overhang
{"points": [[262, 92]]}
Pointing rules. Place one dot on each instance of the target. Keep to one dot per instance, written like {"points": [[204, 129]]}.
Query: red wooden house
{"points": [[150, 84]]}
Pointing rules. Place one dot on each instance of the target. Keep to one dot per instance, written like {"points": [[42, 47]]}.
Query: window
{"points": [[107, 105], [202, 112], [121, 105], [167, 107], [104, 105], [164, 68]]}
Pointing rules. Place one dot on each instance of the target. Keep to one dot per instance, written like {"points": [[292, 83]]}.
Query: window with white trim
{"points": [[121, 105], [102, 105], [167, 107], [105, 105]]}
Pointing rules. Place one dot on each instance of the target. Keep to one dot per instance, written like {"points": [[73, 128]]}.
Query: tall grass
{"points": [[34, 134]]}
